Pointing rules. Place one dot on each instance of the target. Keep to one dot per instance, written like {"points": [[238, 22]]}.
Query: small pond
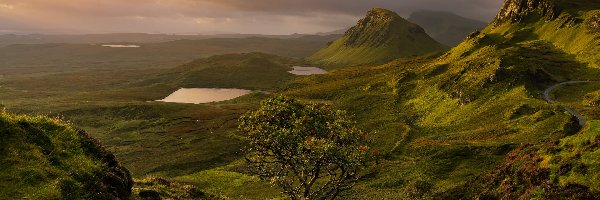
{"points": [[305, 71], [121, 46], [204, 95]]}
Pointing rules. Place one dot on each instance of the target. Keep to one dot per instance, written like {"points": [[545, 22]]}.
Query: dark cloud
{"points": [[481, 9], [187, 16]]}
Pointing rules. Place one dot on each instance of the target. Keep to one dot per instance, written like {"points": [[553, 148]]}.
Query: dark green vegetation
{"points": [[152, 137], [380, 37], [470, 123], [445, 27], [309, 151], [256, 71], [45, 158], [160, 188]]}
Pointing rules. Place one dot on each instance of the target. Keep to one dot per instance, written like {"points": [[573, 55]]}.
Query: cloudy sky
{"points": [[212, 16]]}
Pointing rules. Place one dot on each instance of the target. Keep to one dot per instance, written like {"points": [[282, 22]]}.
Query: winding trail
{"points": [[547, 97]]}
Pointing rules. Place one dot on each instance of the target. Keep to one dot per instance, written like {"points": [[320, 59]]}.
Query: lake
{"points": [[121, 46], [204, 95], [305, 71]]}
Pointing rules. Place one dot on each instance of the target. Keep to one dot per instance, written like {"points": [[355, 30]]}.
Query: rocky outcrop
{"points": [[517, 10], [594, 23], [114, 181]]}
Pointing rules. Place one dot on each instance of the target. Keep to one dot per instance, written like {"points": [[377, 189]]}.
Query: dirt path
{"points": [[547, 97]]}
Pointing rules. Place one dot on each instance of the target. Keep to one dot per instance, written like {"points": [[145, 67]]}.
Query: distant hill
{"points": [[45, 158], [334, 32], [446, 27], [8, 39], [379, 37], [256, 71], [53, 58]]}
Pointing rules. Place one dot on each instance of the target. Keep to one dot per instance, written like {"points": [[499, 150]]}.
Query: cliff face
{"points": [[517, 10], [593, 24]]}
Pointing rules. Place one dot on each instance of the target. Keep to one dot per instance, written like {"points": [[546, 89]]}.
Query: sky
{"points": [[212, 16]]}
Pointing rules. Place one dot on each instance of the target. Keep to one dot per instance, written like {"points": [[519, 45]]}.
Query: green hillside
{"points": [[46, 158], [380, 37], [256, 71], [446, 124], [446, 27]]}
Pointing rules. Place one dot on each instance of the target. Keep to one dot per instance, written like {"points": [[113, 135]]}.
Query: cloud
{"points": [[247, 16]]}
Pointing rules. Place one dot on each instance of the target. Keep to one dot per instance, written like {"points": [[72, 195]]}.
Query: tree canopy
{"points": [[309, 151]]}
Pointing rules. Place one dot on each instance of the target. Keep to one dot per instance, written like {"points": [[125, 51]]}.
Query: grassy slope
{"points": [[376, 40], [45, 158], [444, 124], [151, 137], [255, 71]]}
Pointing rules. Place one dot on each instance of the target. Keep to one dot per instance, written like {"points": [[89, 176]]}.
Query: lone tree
{"points": [[309, 151]]}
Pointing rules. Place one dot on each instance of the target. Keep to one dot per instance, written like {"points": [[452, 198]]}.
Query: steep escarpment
{"points": [[516, 10], [379, 37], [45, 158]]}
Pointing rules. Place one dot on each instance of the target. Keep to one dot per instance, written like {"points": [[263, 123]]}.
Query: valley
{"points": [[511, 112]]}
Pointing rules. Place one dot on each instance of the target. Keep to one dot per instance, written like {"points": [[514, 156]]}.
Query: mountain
{"points": [[10, 39], [334, 32], [446, 27], [380, 37], [474, 123], [46, 158]]}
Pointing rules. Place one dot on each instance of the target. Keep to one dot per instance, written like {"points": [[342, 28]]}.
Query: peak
{"points": [[377, 27], [381, 11], [380, 36], [517, 10], [381, 15]]}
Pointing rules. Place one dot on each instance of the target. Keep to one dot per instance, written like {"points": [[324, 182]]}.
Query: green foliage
{"points": [[593, 99], [229, 183], [255, 71], [153, 188], [309, 151], [46, 158]]}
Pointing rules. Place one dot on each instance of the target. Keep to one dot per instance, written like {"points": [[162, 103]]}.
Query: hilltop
{"points": [[380, 37], [446, 27], [45, 158], [256, 71]]}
